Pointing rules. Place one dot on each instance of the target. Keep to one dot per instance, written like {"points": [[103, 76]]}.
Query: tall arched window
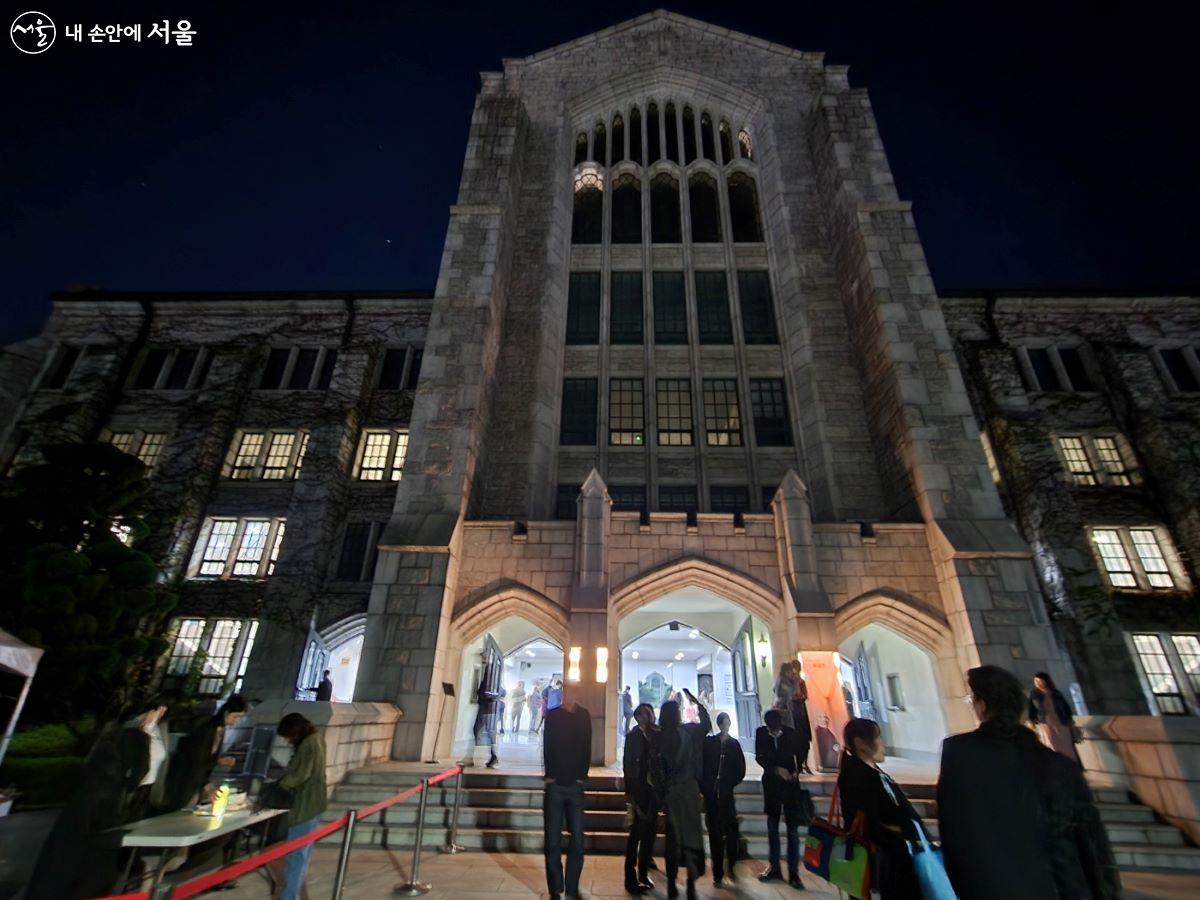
{"points": [[706, 137], [671, 124], [580, 148], [705, 210], [744, 145], [665, 227], [600, 144], [726, 144], [586, 221], [635, 136], [689, 135], [627, 210], [618, 139], [653, 144], [743, 209]]}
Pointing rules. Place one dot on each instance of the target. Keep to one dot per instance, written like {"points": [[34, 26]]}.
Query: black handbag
{"points": [[275, 796]]}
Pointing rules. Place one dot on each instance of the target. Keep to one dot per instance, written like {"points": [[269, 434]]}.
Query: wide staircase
{"points": [[504, 813]]}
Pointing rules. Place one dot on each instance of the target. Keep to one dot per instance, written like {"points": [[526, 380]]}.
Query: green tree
{"points": [[75, 584]]}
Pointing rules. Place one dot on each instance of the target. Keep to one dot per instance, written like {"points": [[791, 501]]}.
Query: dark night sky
{"points": [[318, 145]]}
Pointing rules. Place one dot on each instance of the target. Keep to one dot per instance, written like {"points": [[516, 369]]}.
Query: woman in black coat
{"points": [[78, 859], [199, 752], [889, 817]]}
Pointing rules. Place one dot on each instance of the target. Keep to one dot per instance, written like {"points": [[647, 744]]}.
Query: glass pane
{"points": [[1151, 556], [1188, 648], [670, 309], [276, 365], [673, 401], [216, 551], [391, 373], [1077, 461], [122, 440], [302, 372], [181, 370], [279, 454], [187, 641], [151, 449], [1112, 555], [626, 412], [250, 550], [247, 454], [583, 308], [376, 445], [401, 441], [1110, 458], [1158, 672], [722, 421], [625, 316], [147, 376]]}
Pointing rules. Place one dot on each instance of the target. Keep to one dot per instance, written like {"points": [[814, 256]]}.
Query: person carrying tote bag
{"points": [[928, 867], [841, 856]]}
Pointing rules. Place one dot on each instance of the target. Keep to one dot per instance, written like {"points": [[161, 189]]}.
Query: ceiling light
{"points": [[679, 655], [635, 654], [693, 634], [529, 653]]}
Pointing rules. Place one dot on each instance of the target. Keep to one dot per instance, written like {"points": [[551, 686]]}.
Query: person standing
{"points": [[1000, 780], [680, 765], [567, 752], [517, 700], [785, 692], [189, 773], [535, 706], [724, 770], [554, 695], [889, 817], [1051, 717], [800, 715], [637, 763], [483, 731], [305, 778], [777, 750], [122, 773], [626, 709], [325, 688]]}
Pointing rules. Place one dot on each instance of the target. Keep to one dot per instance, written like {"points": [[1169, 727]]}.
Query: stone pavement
{"points": [[507, 876]]}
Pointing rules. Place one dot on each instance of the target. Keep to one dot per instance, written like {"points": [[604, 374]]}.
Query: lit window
{"points": [[122, 440], [382, 455], [673, 401], [246, 650], [722, 421], [1112, 554], [150, 449], [1151, 557], [187, 642], [145, 445], [1077, 460], [1157, 667], [245, 461], [1112, 462], [279, 455], [300, 454], [1188, 648], [626, 412], [237, 548], [218, 656]]}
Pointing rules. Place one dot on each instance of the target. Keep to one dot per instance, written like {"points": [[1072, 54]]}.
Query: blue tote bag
{"points": [[930, 870]]}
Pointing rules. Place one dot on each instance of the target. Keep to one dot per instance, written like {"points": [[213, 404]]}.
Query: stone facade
{"points": [[869, 499]]}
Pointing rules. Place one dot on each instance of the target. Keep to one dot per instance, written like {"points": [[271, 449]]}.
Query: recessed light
{"points": [[635, 655], [693, 634], [679, 655]]}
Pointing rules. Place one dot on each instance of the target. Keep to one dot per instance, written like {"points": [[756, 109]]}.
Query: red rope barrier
{"points": [[449, 773], [390, 801], [142, 895], [204, 882]]}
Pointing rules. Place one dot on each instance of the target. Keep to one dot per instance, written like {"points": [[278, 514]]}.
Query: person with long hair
{"points": [[681, 762], [724, 770], [799, 709], [1051, 717], [122, 775], [785, 692], [305, 778], [189, 773], [888, 816]]}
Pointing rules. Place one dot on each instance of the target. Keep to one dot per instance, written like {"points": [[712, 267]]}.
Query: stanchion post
{"points": [[453, 846], [414, 887], [344, 860]]}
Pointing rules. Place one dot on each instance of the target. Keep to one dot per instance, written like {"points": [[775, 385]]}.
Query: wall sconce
{"points": [[763, 649], [601, 665], [573, 657]]}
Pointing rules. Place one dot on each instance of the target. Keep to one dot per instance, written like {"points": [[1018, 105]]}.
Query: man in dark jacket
{"points": [[637, 761], [325, 688], [1017, 819], [484, 729], [567, 751], [777, 750], [724, 769]]}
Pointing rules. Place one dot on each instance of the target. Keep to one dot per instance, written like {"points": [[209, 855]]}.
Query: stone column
{"points": [[588, 618]]}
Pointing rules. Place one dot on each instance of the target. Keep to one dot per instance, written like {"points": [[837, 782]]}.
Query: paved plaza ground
{"points": [[508, 876]]}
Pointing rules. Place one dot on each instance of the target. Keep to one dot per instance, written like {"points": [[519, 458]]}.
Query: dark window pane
{"points": [[743, 209], [769, 409], [567, 502], [725, 498], [327, 370], [726, 144], [580, 148], [1077, 373], [152, 364], [677, 498], [705, 211], [768, 497], [627, 497], [673, 406], [689, 136], [587, 220], [626, 412], [414, 369], [63, 366], [391, 373], [181, 370], [625, 317], [664, 210], [618, 139], [758, 313], [206, 360], [712, 308], [1181, 373], [671, 126], [635, 136], [583, 308], [653, 145], [600, 144], [722, 419], [627, 211], [276, 365], [1043, 369], [578, 412], [302, 371], [354, 550], [706, 137], [670, 309]]}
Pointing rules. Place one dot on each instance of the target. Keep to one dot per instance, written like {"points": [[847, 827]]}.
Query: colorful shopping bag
{"points": [[930, 870], [840, 856]]}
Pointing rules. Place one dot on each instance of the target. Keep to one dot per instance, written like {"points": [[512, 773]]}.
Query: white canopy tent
{"points": [[21, 659]]}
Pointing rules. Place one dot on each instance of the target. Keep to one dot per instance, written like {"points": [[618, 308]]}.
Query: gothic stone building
{"points": [[684, 363]]}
